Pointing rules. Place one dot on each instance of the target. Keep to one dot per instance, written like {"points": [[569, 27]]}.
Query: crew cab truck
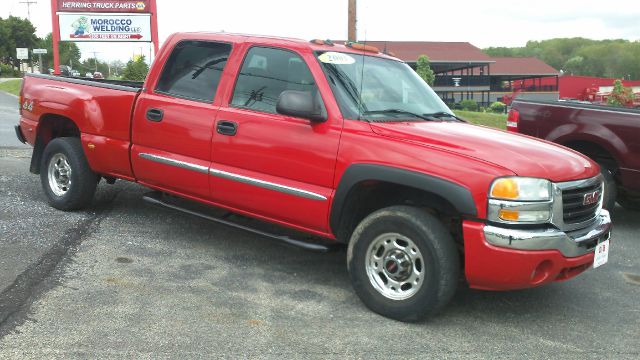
{"points": [[608, 135], [338, 141]]}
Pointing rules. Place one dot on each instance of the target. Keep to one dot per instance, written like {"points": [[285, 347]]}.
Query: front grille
{"points": [[574, 211]]}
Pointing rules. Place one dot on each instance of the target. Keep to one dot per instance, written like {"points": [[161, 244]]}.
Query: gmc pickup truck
{"points": [[608, 135], [341, 142]]}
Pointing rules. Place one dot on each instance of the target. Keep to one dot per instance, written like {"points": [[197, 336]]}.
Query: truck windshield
{"points": [[377, 89]]}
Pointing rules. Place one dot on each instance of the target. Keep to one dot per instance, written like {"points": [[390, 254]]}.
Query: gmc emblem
{"points": [[591, 198]]}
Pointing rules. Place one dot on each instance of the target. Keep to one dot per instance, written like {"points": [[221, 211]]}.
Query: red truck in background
{"points": [[608, 135], [595, 95], [338, 141]]}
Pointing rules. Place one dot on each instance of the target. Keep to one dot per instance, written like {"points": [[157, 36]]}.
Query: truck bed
{"points": [[581, 105], [123, 85]]}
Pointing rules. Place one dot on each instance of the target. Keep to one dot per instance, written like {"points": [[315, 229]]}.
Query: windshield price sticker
{"points": [[336, 58], [601, 255]]}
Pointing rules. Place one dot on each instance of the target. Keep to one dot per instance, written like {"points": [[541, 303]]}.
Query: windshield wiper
{"points": [[396, 111], [442, 114], [349, 86]]}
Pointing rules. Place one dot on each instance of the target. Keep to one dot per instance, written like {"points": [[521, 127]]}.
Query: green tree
{"points": [[621, 95], [68, 51], [14, 33], [574, 65], [91, 64], [615, 58], [423, 68], [136, 69]]}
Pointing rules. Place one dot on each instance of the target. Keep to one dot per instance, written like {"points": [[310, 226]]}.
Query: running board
{"points": [[160, 199]]}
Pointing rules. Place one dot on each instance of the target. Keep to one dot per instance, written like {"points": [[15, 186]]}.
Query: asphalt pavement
{"points": [[125, 279], [8, 119]]}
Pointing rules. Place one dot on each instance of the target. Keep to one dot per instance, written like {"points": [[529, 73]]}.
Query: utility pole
{"points": [[95, 59], [352, 21], [28, 2]]}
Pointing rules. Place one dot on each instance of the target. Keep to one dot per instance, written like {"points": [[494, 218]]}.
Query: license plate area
{"points": [[601, 254]]}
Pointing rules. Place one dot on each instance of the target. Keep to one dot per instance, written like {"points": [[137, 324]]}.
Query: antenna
{"points": [[361, 105]]}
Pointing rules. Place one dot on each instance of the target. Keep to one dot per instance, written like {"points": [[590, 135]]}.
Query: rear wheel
{"points": [[403, 263], [66, 177]]}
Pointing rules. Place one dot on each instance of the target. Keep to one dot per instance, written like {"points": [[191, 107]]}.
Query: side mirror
{"points": [[301, 104]]}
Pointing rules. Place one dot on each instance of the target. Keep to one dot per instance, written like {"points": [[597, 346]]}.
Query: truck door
{"points": [[272, 165], [173, 123]]}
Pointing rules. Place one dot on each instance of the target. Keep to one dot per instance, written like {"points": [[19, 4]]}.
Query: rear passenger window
{"points": [[267, 72], [193, 70]]}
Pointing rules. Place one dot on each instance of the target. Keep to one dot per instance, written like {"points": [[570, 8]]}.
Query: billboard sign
{"points": [[105, 27], [104, 6]]}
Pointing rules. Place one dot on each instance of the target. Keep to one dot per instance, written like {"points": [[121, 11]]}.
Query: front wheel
{"points": [[65, 175], [403, 263], [610, 188]]}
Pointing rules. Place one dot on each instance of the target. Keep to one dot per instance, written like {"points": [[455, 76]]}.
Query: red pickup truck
{"points": [[609, 135], [338, 141]]}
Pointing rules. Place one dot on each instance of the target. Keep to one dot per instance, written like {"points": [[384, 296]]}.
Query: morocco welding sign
{"points": [[105, 27], [127, 6]]}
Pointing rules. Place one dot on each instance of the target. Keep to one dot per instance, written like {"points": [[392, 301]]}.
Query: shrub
{"points": [[621, 95], [9, 71], [498, 107], [136, 69], [469, 105]]}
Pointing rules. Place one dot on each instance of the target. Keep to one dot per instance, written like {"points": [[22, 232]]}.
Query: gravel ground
{"points": [[129, 280]]}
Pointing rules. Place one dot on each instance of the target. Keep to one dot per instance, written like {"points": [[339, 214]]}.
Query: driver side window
{"points": [[265, 74]]}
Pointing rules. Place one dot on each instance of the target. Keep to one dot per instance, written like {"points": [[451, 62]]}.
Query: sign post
{"points": [[40, 52], [103, 21], [22, 54]]}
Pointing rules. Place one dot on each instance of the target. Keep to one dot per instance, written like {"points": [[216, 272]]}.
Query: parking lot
{"points": [[129, 280]]}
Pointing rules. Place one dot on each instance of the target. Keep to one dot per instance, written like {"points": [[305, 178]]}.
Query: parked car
{"points": [[287, 131], [98, 75], [607, 134]]}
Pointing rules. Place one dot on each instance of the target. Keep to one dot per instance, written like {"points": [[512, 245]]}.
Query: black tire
{"points": [[610, 188], [628, 200], [440, 262], [80, 189]]}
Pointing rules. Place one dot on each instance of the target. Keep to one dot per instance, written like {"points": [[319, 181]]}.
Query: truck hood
{"points": [[523, 155]]}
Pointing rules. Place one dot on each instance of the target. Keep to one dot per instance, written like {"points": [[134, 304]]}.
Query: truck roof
{"points": [[273, 40]]}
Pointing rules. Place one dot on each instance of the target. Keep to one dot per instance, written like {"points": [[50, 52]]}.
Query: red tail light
{"points": [[512, 120]]}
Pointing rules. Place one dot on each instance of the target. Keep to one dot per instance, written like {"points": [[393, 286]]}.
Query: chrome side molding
{"points": [[173, 162], [235, 177], [266, 184]]}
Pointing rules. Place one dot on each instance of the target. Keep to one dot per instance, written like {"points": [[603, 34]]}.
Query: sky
{"points": [[482, 23]]}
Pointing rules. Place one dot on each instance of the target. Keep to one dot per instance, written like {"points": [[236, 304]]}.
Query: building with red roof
{"points": [[463, 71], [529, 77]]}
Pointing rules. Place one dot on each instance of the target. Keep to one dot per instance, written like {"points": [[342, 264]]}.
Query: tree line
{"points": [[579, 56], [17, 32]]}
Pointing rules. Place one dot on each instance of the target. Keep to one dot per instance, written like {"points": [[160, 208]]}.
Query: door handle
{"points": [[155, 115], [228, 128]]}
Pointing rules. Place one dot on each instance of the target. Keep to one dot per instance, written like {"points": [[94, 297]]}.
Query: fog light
{"points": [[509, 215], [524, 215]]}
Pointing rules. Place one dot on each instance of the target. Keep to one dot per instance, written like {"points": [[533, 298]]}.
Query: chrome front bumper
{"points": [[570, 243]]}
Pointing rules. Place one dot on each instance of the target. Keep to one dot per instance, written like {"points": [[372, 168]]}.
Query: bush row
{"points": [[472, 105]]}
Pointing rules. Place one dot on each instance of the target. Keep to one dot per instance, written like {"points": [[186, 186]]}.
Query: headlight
{"points": [[520, 200], [521, 189]]}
